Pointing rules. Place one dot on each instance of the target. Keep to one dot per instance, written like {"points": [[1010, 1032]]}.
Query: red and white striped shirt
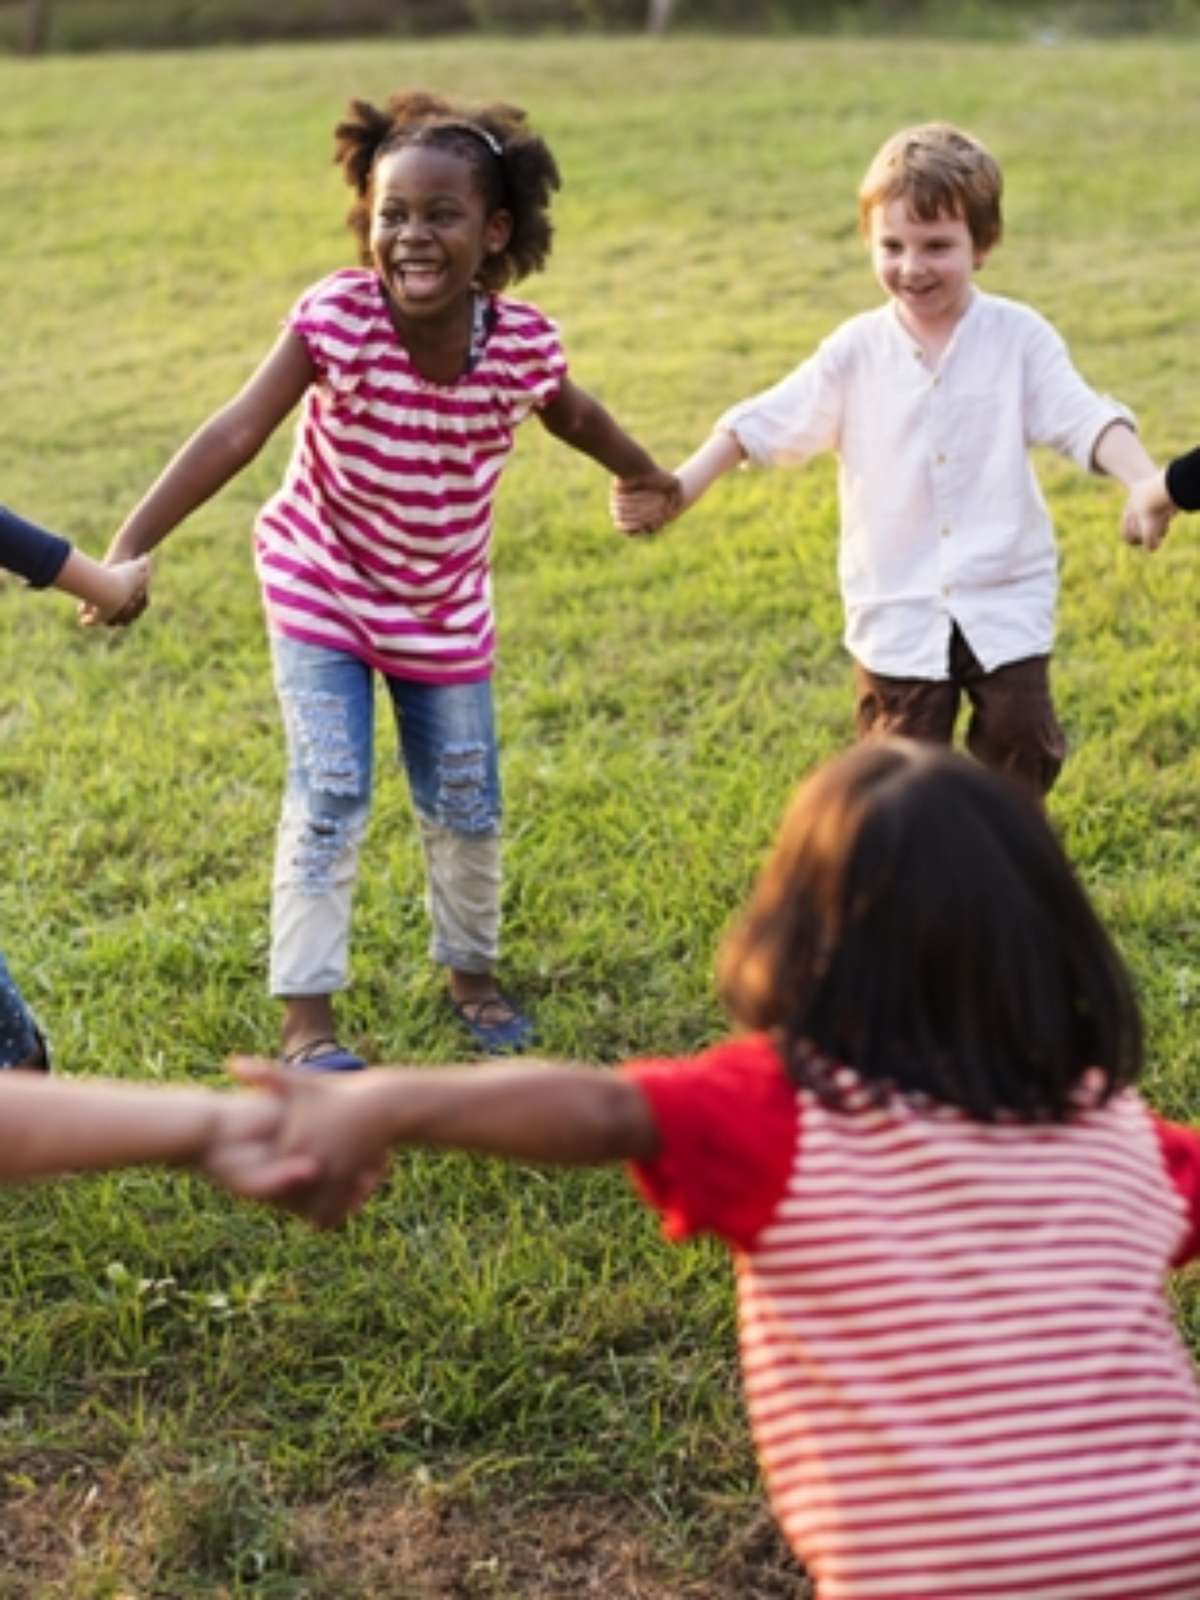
{"points": [[378, 543], [959, 1360]]}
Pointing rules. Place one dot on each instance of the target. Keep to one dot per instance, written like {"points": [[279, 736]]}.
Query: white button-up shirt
{"points": [[942, 518]]}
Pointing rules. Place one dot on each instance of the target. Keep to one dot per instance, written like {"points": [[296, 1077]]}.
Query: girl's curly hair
{"points": [[518, 175]]}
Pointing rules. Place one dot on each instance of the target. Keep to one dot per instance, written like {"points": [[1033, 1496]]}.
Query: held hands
{"points": [[120, 594], [644, 504], [328, 1123], [1148, 512], [244, 1150]]}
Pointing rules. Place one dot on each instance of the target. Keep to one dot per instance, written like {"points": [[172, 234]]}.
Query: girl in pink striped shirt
{"points": [[375, 554], [952, 1214]]}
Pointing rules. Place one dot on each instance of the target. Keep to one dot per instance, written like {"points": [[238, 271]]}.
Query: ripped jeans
{"points": [[448, 748]]}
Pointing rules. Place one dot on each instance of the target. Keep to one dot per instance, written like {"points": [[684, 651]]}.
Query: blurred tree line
{"points": [[38, 25]]}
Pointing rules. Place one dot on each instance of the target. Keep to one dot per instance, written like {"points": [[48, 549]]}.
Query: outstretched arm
{"points": [[215, 453], [53, 1126], [579, 420], [537, 1112]]}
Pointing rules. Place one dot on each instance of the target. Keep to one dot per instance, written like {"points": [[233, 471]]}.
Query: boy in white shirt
{"points": [[947, 562]]}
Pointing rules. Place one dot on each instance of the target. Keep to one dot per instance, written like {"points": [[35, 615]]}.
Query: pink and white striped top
{"points": [[959, 1360], [378, 542]]}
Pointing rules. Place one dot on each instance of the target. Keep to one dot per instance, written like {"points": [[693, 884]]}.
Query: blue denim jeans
{"points": [[20, 1041], [447, 745]]}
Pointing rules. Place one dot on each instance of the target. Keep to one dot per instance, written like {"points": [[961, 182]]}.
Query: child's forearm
{"points": [[206, 463], [583, 423], [91, 581], [538, 1111], [718, 455], [1120, 453], [53, 1125]]}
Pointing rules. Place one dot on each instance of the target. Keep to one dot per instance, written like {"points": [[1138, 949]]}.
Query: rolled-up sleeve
{"points": [[1062, 410], [797, 418]]}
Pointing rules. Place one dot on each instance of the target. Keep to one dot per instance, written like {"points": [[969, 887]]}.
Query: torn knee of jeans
{"points": [[323, 743], [319, 844], [463, 803]]}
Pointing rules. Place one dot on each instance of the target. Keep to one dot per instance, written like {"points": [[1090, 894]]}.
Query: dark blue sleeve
{"points": [[30, 551], [1183, 481]]}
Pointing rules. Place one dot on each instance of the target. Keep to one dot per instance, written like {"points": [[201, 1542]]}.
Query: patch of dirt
{"points": [[70, 1529], [376, 1545]]}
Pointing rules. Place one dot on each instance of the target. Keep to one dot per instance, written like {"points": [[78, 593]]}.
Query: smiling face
{"points": [[430, 229], [926, 267]]}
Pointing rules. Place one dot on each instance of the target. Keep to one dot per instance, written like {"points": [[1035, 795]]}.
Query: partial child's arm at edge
{"points": [[219, 449], [53, 1126], [46, 560], [536, 1111]]}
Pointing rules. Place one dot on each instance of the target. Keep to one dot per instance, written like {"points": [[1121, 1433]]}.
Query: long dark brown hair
{"points": [[918, 921]]}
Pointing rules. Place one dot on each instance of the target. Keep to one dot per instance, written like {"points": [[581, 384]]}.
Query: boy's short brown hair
{"points": [[940, 171]]}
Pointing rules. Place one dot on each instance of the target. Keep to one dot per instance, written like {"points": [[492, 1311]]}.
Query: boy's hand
{"points": [[125, 595], [644, 504], [244, 1154], [1148, 512], [331, 1124]]}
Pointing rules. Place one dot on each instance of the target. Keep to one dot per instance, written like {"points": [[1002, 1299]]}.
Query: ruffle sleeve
{"points": [[338, 321], [526, 353]]}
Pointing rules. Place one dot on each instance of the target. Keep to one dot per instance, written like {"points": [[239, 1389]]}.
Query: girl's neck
{"points": [[438, 346]]}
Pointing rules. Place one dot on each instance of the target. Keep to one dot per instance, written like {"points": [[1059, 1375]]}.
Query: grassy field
{"points": [[496, 1382]]}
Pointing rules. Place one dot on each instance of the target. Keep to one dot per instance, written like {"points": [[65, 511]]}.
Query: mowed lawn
{"points": [[498, 1382]]}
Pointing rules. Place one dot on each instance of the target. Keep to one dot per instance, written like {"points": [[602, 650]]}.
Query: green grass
{"points": [[492, 1335]]}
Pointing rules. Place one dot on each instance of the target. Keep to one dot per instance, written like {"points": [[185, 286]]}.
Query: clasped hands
{"points": [[1148, 512], [641, 506], [307, 1142]]}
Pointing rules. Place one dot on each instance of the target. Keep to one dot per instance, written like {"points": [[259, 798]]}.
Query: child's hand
{"points": [[121, 594], [644, 504], [1148, 512], [332, 1124], [244, 1153]]}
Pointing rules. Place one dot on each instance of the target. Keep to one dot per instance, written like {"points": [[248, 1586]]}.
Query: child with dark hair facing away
{"points": [[948, 567], [952, 1213], [375, 554], [45, 560]]}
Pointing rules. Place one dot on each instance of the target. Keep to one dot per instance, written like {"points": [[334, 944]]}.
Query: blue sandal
{"points": [[324, 1055], [495, 1024]]}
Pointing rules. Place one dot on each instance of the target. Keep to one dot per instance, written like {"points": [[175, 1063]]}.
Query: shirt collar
{"points": [[969, 315]]}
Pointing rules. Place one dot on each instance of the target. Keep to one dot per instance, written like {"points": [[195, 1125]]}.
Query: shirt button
{"points": [[945, 533], [945, 588], [940, 459]]}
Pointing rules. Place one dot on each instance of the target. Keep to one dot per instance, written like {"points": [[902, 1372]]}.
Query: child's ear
{"points": [[497, 231]]}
